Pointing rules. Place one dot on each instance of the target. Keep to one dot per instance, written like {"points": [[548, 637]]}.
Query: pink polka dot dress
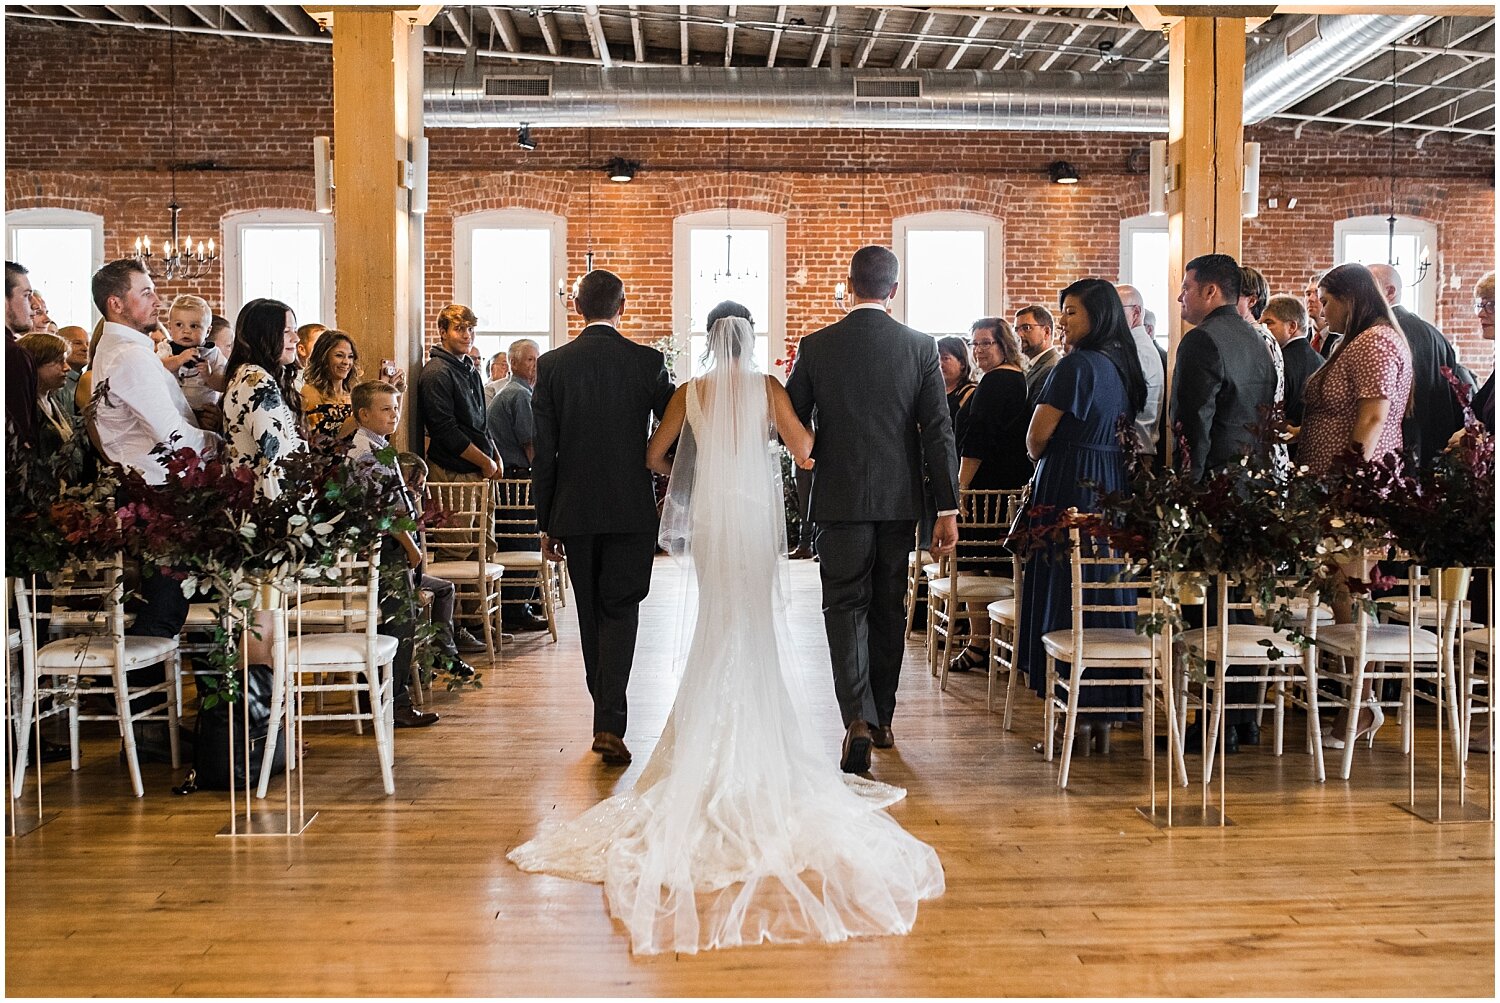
{"points": [[1377, 363]]}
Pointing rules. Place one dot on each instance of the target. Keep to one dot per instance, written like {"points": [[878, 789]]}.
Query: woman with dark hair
{"points": [[260, 424], [1074, 437], [332, 371], [49, 358], [958, 379]]}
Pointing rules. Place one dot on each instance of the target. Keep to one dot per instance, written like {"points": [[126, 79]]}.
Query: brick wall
{"points": [[253, 107]]}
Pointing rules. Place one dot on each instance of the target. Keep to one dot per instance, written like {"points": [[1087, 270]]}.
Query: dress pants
{"points": [[863, 567], [611, 574], [160, 610]]}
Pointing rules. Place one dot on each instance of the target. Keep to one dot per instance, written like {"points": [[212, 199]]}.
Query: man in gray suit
{"points": [[872, 389]]}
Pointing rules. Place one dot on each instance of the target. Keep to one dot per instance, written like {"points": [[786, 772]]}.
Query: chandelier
{"points": [[728, 274], [179, 257]]}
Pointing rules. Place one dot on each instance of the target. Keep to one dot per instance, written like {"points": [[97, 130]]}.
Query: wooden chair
{"points": [[354, 661], [84, 602], [916, 583], [461, 550], [1005, 619], [1478, 654], [515, 527], [968, 579]]}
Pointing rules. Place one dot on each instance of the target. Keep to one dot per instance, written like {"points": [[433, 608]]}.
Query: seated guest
{"points": [[513, 430], [1358, 398], [452, 638], [78, 360], [1073, 436], [221, 335], [499, 371], [328, 383], [49, 358], [958, 378], [261, 423], [1286, 318]]}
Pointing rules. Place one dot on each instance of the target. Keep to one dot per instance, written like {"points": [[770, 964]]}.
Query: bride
{"points": [[739, 830]]}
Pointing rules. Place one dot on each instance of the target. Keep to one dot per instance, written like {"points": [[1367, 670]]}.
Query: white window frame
{"points": [[235, 223], [994, 253], [772, 328], [59, 219], [463, 267], [1426, 233], [1130, 226]]}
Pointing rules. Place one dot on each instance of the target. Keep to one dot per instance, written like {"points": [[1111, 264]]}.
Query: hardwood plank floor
{"points": [[1316, 890]]}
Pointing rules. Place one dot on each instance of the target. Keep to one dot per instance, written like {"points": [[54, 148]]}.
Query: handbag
{"points": [[210, 769]]}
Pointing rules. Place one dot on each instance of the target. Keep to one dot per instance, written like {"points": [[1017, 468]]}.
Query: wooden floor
{"points": [[1316, 889]]}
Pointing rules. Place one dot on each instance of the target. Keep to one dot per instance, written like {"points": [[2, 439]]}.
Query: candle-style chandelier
{"points": [[727, 273], [178, 257]]}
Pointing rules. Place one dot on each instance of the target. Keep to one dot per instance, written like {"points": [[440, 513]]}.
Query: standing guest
{"points": [[450, 399], [40, 320], [307, 339], [594, 501], [1254, 294], [1148, 318], [982, 341], [377, 415], [958, 381], [262, 424], [876, 387], [1148, 421], [49, 358], [1322, 338], [1286, 318], [1073, 437], [499, 370], [512, 428], [20, 375], [1484, 309], [1034, 328], [1224, 380], [1359, 398], [221, 335], [78, 360], [1435, 412], [328, 384]]}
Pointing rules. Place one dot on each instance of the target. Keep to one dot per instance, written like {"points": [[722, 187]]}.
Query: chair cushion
{"points": [[518, 560], [974, 588], [1003, 611], [463, 571], [1244, 641], [1114, 643], [1382, 641], [1477, 638], [95, 651], [925, 557], [931, 569], [338, 649]]}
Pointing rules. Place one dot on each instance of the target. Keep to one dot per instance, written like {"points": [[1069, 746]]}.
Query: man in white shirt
{"points": [[139, 403], [1147, 423]]}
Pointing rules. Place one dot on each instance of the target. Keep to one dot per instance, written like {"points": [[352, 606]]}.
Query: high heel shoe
{"points": [[1377, 719], [967, 660]]}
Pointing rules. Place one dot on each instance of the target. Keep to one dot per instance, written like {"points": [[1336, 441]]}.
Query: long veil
{"points": [[740, 828]]}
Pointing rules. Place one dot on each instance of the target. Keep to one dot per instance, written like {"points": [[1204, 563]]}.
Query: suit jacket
{"points": [[1435, 413], [1036, 373], [872, 388], [1301, 361], [592, 405], [1224, 378]]}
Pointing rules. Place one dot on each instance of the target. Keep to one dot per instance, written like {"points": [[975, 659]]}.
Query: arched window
{"points": [[733, 254], [508, 267], [952, 271], [1367, 240], [1143, 263], [282, 254], [61, 250]]}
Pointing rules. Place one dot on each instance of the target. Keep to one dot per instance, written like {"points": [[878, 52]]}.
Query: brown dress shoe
{"points": [[856, 758], [407, 716], [882, 737], [612, 748]]}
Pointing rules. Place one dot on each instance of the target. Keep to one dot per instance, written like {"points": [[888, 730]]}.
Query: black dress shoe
{"points": [[455, 666], [800, 554], [54, 753], [1192, 741], [1248, 733], [857, 742], [529, 622], [407, 716], [611, 749], [882, 737]]}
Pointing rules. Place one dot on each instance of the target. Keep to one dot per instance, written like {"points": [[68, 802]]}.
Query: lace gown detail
{"points": [[740, 829]]}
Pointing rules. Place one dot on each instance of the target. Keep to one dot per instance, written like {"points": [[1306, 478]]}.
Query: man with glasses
{"points": [[1484, 309], [1034, 328]]}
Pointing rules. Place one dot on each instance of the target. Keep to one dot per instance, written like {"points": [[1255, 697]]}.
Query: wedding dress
{"points": [[741, 828]]}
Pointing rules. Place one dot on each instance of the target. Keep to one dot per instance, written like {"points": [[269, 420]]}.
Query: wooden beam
{"points": [[252, 17], [776, 35], [636, 37], [596, 34], [458, 29], [549, 32], [682, 29], [876, 22], [505, 26], [908, 53], [962, 47], [729, 35], [830, 15]]}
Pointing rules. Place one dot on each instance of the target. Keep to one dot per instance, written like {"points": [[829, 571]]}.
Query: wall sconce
{"points": [[621, 170], [1156, 193], [840, 296], [1063, 173], [523, 137]]}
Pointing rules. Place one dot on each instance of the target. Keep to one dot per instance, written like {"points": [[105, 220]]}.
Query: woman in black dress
{"points": [[958, 379]]}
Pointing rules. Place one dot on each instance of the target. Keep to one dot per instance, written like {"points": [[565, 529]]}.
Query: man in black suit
{"points": [[1224, 375], [1286, 318], [1435, 411], [872, 388], [592, 403]]}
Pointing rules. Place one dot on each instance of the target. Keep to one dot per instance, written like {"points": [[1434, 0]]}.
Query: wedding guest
{"points": [[1225, 381], [982, 335], [1484, 309], [1073, 437], [452, 639], [1436, 412], [40, 320], [376, 414], [512, 428], [1286, 318], [262, 425], [78, 360], [307, 339], [1148, 422], [450, 399], [1149, 320], [1318, 334], [328, 383], [499, 371], [1034, 328], [20, 376], [49, 358], [221, 335], [199, 367], [958, 379]]}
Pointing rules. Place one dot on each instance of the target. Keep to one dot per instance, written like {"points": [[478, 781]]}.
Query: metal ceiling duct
{"points": [[751, 97], [1280, 74], [1277, 76]]}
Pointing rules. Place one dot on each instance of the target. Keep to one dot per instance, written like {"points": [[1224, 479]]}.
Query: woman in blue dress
{"points": [[1073, 436]]}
